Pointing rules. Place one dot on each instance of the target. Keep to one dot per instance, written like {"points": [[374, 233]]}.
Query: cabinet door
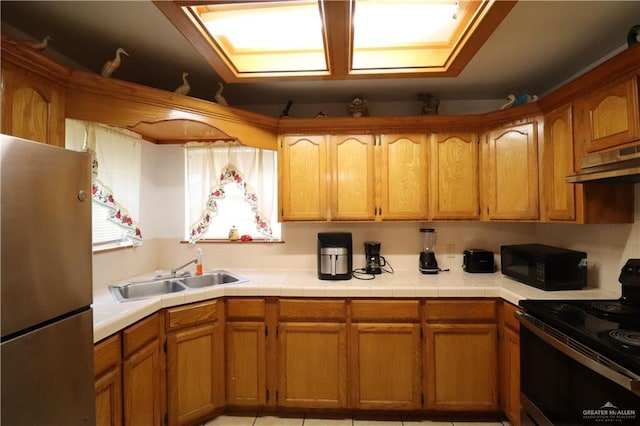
{"points": [[353, 180], [303, 178], [312, 365], [108, 385], [510, 173], [558, 162], [195, 383], [461, 367], [142, 386], [32, 107], [404, 177], [611, 115], [511, 375], [246, 361], [385, 366], [454, 176]]}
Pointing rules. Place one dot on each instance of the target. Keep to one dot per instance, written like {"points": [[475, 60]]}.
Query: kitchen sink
{"points": [[137, 290], [143, 290], [212, 278]]}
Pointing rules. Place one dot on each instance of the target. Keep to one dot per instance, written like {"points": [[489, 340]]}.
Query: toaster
{"points": [[478, 261]]}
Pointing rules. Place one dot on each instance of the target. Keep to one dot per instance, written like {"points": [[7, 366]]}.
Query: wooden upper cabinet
{"points": [[610, 115], [352, 177], [303, 178], [453, 179], [558, 162], [32, 107], [510, 173], [403, 177]]}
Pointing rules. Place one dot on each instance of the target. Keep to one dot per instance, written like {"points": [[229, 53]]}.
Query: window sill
{"points": [[104, 248], [226, 241]]}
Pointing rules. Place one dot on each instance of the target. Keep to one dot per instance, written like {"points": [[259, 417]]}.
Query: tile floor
{"points": [[282, 421]]}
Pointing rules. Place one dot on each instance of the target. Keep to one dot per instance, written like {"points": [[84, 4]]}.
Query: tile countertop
{"points": [[110, 316]]}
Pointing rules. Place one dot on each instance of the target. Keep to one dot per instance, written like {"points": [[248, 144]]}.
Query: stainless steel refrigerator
{"points": [[46, 355]]}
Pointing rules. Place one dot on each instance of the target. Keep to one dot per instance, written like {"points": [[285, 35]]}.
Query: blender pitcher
{"points": [[428, 263]]}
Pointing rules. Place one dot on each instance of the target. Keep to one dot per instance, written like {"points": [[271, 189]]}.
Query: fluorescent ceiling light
{"points": [[336, 39], [395, 23]]}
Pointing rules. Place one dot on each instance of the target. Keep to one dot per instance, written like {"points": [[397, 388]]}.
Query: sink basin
{"points": [[212, 278], [143, 290], [137, 290]]}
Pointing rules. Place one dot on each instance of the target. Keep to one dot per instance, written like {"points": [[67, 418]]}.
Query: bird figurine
{"points": [[110, 66], [39, 45], [510, 101], [184, 88], [218, 96]]}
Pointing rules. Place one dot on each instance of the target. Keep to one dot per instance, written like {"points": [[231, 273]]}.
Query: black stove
{"points": [[606, 326], [580, 359], [609, 327]]}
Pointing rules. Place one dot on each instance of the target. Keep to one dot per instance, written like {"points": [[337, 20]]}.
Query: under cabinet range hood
{"points": [[620, 165]]}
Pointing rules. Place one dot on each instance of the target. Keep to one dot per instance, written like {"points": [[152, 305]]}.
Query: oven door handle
{"points": [[581, 353]]}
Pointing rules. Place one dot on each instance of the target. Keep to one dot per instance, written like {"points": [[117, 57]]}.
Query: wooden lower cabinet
{"points": [[245, 348], [385, 366], [108, 381], [195, 362], [419, 355], [143, 382], [312, 365], [510, 364], [461, 356], [312, 353]]}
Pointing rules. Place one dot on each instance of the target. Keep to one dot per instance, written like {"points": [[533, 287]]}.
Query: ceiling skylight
{"points": [[267, 37], [336, 39]]}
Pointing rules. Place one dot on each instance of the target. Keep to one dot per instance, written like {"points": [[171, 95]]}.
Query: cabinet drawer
{"points": [[106, 354], [245, 309], [460, 310], [510, 319], [385, 310], [196, 313], [315, 310], [139, 334]]}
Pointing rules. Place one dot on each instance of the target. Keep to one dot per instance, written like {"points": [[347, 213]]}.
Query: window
{"points": [[116, 161], [230, 185]]}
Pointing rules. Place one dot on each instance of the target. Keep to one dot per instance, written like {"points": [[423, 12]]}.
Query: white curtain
{"points": [[209, 167], [116, 163]]}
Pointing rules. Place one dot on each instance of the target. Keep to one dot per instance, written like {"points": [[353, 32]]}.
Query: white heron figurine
{"points": [[218, 96], [39, 45], [511, 99], [112, 65], [184, 88]]}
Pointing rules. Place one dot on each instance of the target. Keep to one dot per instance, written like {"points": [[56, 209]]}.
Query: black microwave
{"points": [[545, 267]]}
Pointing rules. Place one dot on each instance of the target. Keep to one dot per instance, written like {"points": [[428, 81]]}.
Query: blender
{"points": [[428, 262]]}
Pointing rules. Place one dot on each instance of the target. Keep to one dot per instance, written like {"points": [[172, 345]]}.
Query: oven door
{"points": [[561, 383]]}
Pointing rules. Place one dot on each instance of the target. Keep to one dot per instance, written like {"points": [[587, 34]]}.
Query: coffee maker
{"points": [[373, 261], [335, 256], [428, 262]]}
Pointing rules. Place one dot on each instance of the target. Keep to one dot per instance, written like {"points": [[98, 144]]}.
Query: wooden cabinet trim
{"points": [[140, 333], [246, 309], [460, 310], [107, 354], [385, 311], [312, 310], [192, 314], [510, 316]]}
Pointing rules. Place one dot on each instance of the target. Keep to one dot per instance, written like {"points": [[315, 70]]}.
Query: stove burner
{"points": [[626, 337], [615, 309]]}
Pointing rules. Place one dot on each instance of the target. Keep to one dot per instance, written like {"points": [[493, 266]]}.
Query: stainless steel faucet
{"points": [[174, 271]]}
